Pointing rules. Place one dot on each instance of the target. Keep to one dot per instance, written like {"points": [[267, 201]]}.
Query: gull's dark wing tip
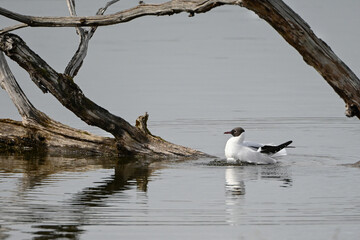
{"points": [[274, 149]]}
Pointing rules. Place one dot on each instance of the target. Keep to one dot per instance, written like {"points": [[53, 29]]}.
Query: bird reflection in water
{"points": [[234, 182], [236, 176]]}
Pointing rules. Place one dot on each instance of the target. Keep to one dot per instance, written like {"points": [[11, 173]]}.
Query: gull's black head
{"points": [[236, 131]]}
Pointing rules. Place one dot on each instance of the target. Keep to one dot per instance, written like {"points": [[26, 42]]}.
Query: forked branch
{"points": [[129, 139], [77, 60]]}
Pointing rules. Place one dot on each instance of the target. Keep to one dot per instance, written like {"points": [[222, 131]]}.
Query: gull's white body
{"points": [[237, 149]]}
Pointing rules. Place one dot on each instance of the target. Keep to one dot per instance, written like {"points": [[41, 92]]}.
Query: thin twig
{"points": [[12, 28], [71, 6], [101, 11], [77, 60]]}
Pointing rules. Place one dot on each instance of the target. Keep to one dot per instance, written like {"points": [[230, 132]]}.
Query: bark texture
{"points": [[167, 8], [130, 140], [52, 138], [39, 132], [314, 51]]}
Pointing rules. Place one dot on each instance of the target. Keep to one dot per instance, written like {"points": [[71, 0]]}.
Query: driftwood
{"points": [[37, 131], [129, 140], [136, 140]]}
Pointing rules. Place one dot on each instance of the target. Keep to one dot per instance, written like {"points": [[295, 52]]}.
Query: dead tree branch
{"points": [[77, 60], [63, 88], [167, 8], [314, 51], [282, 18], [8, 82], [13, 28], [40, 132], [136, 140]]}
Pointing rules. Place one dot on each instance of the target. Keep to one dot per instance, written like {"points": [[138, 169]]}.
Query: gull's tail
{"points": [[268, 149]]}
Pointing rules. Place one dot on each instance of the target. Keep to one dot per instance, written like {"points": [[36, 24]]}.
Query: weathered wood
{"points": [[77, 60], [61, 139], [129, 139], [167, 8], [28, 113], [10, 85], [53, 138], [314, 51], [13, 28], [38, 131], [64, 88], [283, 19]]}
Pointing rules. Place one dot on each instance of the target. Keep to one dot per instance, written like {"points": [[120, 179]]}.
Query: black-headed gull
{"points": [[237, 149]]}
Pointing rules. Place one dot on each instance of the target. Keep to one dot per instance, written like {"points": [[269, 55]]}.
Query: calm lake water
{"points": [[197, 77]]}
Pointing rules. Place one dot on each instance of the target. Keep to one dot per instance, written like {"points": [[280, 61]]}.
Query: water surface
{"points": [[197, 77]]}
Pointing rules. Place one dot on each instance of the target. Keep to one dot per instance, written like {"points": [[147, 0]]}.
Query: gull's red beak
{"points": [[227, 132]]}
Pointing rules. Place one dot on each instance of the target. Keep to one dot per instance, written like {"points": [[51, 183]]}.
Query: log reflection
{"points": [[37, 167], [126, 175], [35, 174]]}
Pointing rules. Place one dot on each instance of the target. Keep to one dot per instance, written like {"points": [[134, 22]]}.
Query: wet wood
{"points": [[58, 138], [53, 138]]}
